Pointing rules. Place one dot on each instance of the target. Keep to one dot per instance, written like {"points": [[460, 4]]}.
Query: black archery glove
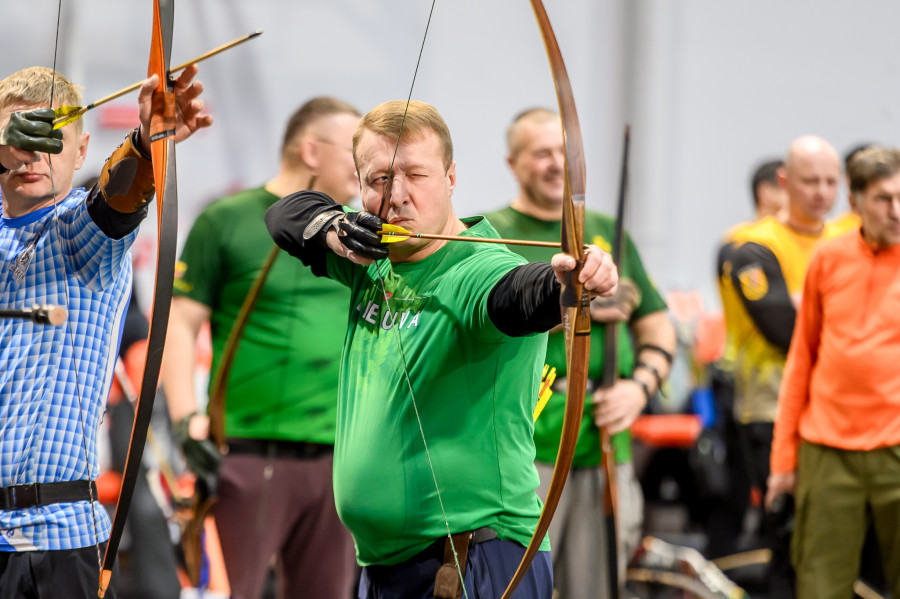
{"points": [[358, 231], [202, 456], [32, 130]]}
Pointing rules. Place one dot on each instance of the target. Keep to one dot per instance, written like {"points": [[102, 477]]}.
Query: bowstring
{"points": [[392, 318], [68, 325]]}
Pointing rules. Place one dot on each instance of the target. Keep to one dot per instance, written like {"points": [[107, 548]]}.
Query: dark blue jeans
{"points": [[490, 567]]}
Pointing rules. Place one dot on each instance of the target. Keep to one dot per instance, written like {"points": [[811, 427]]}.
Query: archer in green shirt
{"points": [[434, 431], [536, 153]]}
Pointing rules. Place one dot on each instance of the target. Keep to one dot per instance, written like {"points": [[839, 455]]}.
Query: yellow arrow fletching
{"points": [[546, 390], [72, 112], [393, 233], [389, 228], [387, 237]]}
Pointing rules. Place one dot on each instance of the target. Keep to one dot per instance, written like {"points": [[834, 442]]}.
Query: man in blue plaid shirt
{"points": [[69, 248]]}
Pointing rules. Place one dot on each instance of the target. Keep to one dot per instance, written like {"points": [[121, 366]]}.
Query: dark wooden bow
{"points": [[201, 504], [574, 300], [162, 139], [616, 583]]}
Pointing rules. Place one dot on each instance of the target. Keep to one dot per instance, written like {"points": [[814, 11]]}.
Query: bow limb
{"points": [[201, 505], [217, 390], [574, 300], [616, 580], [162, 139]]}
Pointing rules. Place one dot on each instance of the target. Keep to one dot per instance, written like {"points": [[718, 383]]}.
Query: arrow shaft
{"points": [[542, 244], [68, 118]]}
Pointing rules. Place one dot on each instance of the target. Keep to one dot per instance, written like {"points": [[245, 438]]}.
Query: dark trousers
{"points": [[490, 567], [283, 508], [757, 438], [69, 573]]}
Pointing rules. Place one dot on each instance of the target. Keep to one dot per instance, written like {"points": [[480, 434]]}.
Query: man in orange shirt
{"points": [[837, 431]]}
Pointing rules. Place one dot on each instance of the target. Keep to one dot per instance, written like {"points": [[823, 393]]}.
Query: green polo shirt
{"points": [[423, 363], [283, 384], [599, 230]]}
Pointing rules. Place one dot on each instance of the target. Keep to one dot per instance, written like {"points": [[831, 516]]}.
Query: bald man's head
{"points": [[811, 174], [810, 145]]}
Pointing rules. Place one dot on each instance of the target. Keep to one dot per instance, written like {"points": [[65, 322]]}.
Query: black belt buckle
{"points": [[21, 496]]}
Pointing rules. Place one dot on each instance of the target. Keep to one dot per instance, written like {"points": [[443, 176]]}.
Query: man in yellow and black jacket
{"points": [[768, 265]]}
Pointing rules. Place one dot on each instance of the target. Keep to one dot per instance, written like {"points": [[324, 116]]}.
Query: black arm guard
{"points": [[526, 300], [299, 222]]}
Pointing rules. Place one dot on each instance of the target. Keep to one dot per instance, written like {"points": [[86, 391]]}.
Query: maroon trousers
{"points": [[280, 511]]}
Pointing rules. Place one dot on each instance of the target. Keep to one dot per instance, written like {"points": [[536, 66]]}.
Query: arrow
{"points": [[70, 114], [546, 390], [43, 314], [393, 233]]}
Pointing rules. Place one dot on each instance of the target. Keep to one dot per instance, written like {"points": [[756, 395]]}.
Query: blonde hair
{"points": [[413, 119], [33, 86]]}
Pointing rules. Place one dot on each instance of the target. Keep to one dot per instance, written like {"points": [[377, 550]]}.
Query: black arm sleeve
{"points": [[723, 257], [526, 300], [290, 217], [767, 299]]}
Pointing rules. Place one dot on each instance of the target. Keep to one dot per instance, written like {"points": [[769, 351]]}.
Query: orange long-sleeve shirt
{"points": [[841, 385]]}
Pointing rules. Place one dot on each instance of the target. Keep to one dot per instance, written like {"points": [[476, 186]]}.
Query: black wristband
{"points": [[652, 370], [643, 386], [650, 347]]}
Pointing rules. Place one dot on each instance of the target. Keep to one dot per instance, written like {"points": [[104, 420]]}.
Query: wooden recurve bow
{"points": [[616, 579], [574, 300], [201, 504], [162, 149]]}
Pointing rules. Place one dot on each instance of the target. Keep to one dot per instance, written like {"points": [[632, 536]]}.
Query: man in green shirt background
{"points": [[577, 532], [440, 369], [275, 485]]}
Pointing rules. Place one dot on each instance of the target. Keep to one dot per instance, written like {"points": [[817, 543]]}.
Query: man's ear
{"points": [[82, 150], [855, 201], [308, 150], [451, 174]]}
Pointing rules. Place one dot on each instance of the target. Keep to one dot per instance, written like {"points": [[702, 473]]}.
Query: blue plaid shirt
{"points": [[54, 380]]}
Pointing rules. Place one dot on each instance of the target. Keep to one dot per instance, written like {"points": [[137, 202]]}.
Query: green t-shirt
{"points": [[599, 230], [470, 385], [283, 384]]}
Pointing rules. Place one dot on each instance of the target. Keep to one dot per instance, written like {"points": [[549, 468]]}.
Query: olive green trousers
{"points": [[834, 487]]}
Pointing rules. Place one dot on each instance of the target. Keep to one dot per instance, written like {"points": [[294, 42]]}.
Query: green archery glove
{"points": [[32, 130], [202, 456]]}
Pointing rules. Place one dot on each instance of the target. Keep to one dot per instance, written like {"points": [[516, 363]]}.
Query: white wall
{"points": [[710, 87]]}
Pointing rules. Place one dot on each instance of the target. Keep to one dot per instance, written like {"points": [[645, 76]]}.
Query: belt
{"points": [[35, 494], [433, 551], [300, 450]]}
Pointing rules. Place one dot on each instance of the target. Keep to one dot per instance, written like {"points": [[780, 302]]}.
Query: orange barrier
{"points": [[108, 485], [667, 430]]}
